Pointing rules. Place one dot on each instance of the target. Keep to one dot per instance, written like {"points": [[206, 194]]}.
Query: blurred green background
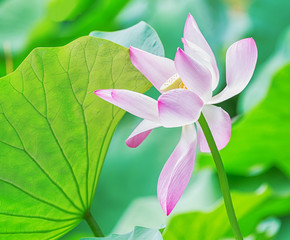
{"points": [[258, 156]]}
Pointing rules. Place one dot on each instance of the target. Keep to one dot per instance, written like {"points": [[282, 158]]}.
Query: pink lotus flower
{"points": [[186, 85]]}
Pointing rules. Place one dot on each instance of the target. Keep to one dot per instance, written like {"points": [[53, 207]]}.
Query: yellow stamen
{"points": [[181, 85], [173, 82]]}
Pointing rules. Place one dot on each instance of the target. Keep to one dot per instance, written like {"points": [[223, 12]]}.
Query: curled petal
{"points": [[156, 69], [241, 60], [193, 34], [195, 76], [204, 58], [140, 133], [179, 107], [177, 171], [220, 125], [135, 103]]}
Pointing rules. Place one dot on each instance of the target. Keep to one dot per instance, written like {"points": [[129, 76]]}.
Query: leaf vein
{"points": [[35, 197], [37, 164], [38, 217]]}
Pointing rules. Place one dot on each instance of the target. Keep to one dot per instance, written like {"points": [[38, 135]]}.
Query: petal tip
{"points": [[131, 51], [166, 208], [190, 17], [131, 48], [101, 92], [130, 144], [168, 211], [96, 92], [253, 43], [250, 40], [190, 21], [179, 53]]}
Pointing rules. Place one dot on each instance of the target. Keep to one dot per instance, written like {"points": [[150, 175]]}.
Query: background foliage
{"points": [[257, 158]]}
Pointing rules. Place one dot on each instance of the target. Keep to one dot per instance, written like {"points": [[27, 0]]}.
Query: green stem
{"points": [[222, 178], [8, 57], [93, 225]]}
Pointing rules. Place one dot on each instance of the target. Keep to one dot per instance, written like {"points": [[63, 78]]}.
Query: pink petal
{"points": [[195, 76], [199, 55], [177, 171], [135, 103], [140, 133], [193, 34], [220, 125], [179, 107], [156, 69], [241, 60]]}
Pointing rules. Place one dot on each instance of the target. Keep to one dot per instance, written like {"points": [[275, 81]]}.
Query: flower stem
{"points": [[93, 225], [222, 177], [8, 57]]}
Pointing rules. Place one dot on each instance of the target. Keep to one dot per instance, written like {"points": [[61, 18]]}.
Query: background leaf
{"points": [[266, 27], [51, 23], [146, 211], [250, 208], [13, 30], [261, 81], [55, 133], [141, 36], [200, 205], [272, 35], [139, 233], [260, 138], [168, 18]]}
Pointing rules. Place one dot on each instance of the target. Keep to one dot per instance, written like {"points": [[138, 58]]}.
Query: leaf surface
{"points": [[55, 133]]}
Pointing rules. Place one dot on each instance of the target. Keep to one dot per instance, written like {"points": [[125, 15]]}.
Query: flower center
{"points": [[172, 83]]}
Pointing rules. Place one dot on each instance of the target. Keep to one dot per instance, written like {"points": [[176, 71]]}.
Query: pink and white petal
{"points": [[135, 103], [220, 125], [177, 171], [193, 34], [199, 55], [156, 69], [179, 107], [241, 60], [140, 133], [195, 76]]}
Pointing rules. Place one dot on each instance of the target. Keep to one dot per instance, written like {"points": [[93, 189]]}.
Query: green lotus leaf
{"points": [[55, 133]]}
